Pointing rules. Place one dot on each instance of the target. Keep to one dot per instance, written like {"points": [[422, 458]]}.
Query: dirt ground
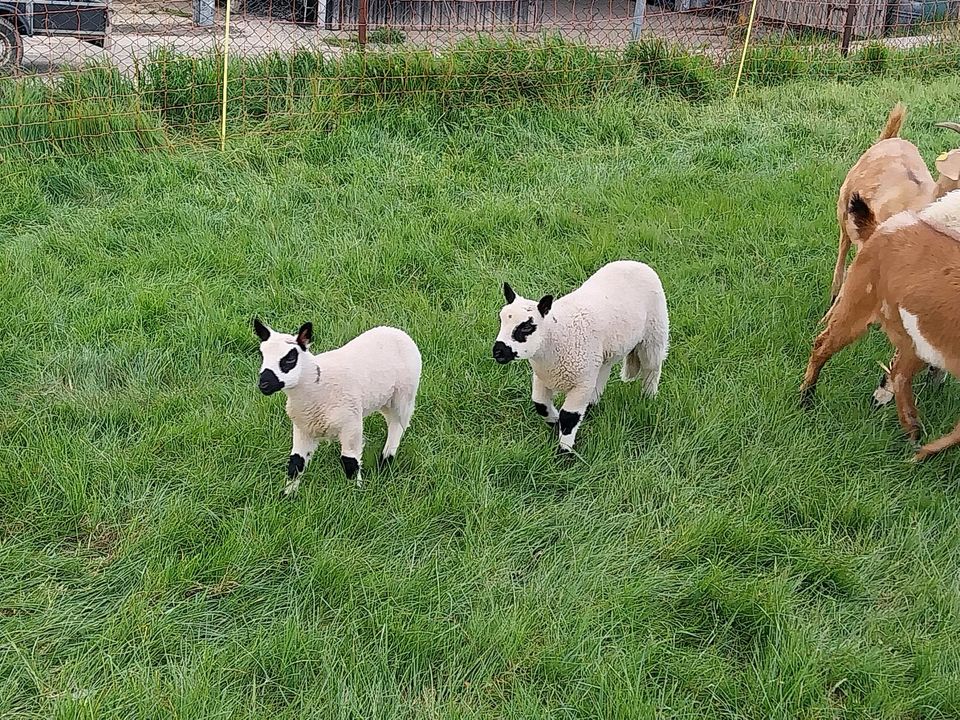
{"points": [[138, 28]]}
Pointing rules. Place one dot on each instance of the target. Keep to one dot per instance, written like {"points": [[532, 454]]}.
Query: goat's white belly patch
{"points": [[925, 351]]}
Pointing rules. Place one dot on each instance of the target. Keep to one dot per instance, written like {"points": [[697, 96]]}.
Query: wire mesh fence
{"points": [[115, 72]]}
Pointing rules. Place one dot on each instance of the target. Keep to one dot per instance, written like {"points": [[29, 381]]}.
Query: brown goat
{"points": [[891, 176], [906, 277]]}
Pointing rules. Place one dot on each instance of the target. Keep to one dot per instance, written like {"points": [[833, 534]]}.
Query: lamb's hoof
{"points": [[290, 495], [566, 454], [384, 462], [806, 397]]}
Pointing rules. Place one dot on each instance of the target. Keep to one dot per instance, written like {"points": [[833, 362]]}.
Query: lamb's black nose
{"points": [[503, 353], [269, 382]]}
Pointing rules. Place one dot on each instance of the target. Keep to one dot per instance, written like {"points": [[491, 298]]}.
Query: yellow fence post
{"points": [[226, 59], [746, 44]]}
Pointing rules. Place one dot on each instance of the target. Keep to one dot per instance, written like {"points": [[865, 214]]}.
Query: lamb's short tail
{"points": [[646, 359], [894, 122]]}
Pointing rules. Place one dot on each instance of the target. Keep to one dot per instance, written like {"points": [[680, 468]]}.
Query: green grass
{"points": [[718, 552], [173, 97]]}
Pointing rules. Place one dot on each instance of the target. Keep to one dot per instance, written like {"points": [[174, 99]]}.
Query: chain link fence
{"points": [[128, 70]]}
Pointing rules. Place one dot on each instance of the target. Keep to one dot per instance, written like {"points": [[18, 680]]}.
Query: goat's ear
{"points": [[262, 331], [546, 302], [948, 164], [305, 335], [508, 293]]}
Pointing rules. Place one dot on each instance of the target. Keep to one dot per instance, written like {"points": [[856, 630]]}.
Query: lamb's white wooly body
{"points": [[618, 315], [944, 213], [330, 394]]}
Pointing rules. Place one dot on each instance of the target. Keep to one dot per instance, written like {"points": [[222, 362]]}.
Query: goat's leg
{"points": [[936, 375], [949, 440], [841, 331], [841, 266], [905, 366], [304, 446], [884, 391]]}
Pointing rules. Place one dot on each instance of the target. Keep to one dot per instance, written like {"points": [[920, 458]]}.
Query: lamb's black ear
{"points": [[305, 335], [546, 302], [262, 331], [508, 293]]}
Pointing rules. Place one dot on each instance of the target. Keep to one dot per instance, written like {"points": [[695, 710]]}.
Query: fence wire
{"points": [[118, 72]]}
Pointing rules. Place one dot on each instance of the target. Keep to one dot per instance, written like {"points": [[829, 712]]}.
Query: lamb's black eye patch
{"points": [[524, 330], [289, 361]]}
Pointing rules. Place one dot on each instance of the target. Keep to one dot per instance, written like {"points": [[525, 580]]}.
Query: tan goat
{"points": [[891, 176], [906, 277]]}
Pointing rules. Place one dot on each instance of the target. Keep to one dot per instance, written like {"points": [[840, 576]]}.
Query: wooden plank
{"points": [[826, 15]]}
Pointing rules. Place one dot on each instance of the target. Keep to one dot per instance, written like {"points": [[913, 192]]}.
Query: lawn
{"points": [[715, 553]]}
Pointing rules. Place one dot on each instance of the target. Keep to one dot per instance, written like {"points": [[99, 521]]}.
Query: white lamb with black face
{"points": [[329, 395], [618, 315]]}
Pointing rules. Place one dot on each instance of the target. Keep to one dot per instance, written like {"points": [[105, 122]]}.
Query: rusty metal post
{"points": [[362, 24], [848, 27]]}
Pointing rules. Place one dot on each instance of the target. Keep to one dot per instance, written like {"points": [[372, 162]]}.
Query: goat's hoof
{"points": [[880, 399], [806, 396], [936, 376]]}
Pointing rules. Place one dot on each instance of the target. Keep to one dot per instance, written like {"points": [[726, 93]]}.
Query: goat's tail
{"points": [[894, 122], [863, 218]]}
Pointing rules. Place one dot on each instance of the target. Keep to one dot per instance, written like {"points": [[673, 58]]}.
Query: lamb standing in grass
{"points": [[329, 395], [618, 314]]}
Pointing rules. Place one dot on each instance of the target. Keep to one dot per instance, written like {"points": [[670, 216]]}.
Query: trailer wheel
{"points": [[11, 46]]}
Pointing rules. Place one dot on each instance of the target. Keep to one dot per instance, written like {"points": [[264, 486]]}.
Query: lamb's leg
{"points": [[304, 446], [351, 449], [905, 366], [543, 401], [571, 414], [395, 430], [602, 378]]}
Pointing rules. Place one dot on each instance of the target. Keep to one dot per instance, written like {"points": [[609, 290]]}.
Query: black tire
{"points": [[11, 47]]}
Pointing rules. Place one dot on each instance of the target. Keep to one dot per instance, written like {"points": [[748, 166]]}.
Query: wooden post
{"points": [[848, 27], [362, 24]]}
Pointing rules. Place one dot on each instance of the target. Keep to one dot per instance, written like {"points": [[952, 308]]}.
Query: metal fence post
{"points": [[203, 12], [637, 27]]}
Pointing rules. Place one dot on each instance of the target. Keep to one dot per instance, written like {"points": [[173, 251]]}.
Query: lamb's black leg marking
{"points": [[568, 421], [541, 409], [295, 465], [351, 466]]}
